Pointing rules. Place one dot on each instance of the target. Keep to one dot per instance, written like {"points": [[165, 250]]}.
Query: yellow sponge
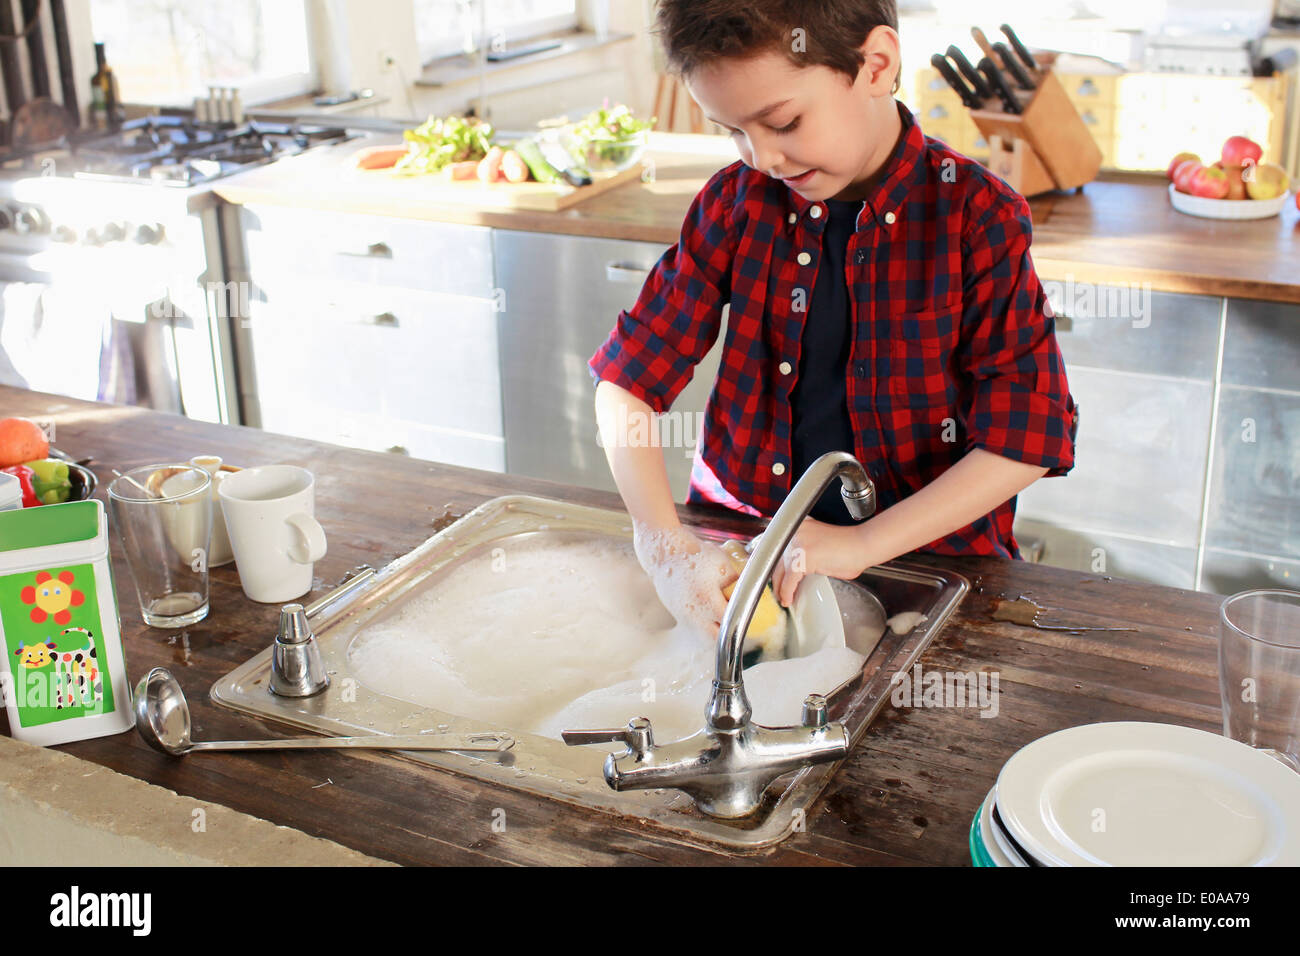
{"points": [[768, 614]]}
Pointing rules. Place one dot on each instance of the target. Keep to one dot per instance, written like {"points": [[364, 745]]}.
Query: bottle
{"points": [[105, 99], [98, 98]]}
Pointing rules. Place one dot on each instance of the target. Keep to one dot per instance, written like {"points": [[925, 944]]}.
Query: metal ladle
{"points": [[163, 718]]}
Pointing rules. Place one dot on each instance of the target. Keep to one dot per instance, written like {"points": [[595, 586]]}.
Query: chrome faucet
{"points": [[727, 765]]}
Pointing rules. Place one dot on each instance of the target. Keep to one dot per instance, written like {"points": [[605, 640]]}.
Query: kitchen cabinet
{"points": [[563, 295], [1187, 472], [371, 332]]}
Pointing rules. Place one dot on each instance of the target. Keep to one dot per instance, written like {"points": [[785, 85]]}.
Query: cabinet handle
{"points": [[623, 272], [375, 250]]}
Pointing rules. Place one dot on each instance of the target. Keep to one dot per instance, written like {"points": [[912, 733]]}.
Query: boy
{"points": [[883, 302]]}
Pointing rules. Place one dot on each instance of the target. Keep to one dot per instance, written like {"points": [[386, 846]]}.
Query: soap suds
{"points": [[552, 635]]}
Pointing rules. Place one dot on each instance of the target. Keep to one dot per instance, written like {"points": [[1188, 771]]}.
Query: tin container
{"points": [[63, 671]]}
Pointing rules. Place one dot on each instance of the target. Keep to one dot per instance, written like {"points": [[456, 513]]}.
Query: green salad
{"points": [[441, 141], [604, 133]]}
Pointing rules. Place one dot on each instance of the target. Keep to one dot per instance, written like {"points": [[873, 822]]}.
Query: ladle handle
{"points": [[484, 741]]}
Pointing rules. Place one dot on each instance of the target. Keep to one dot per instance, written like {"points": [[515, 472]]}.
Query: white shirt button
{"points": [[890, 218], [815, 212], [803, 258], [794, 217], [778, 469], [785, 368]]}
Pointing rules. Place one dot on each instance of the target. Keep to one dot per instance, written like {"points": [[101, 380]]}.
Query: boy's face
{"points": [[807, 126]]}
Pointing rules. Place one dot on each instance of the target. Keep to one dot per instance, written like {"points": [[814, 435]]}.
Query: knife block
{"points": [[1046, 146]]}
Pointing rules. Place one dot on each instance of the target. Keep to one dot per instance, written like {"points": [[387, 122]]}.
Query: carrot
{"points": [[489, 169], [380, 157], [514, 167], [463, 171]]}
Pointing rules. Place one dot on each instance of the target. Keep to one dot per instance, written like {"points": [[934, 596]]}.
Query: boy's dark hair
{"points": [[695, 32]]}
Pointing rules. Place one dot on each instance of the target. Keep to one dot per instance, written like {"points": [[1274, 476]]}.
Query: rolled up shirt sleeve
{"points": [[654, 346], [1021, 407]]}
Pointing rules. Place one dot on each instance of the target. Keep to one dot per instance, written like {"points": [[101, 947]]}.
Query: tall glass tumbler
{"points": [[163, 517], [1259, 671]]}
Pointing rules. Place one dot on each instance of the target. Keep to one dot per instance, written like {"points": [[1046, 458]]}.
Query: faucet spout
{"points": [[729, 708], [726, 766]]}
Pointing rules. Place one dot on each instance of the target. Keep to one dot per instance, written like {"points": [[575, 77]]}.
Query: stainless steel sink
{"points": [[546, 766]]}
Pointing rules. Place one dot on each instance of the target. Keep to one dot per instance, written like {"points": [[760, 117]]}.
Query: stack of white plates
{"points": [[1139, 794]]}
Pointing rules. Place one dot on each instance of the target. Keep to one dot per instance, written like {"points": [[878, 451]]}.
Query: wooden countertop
{"points": [[906, 795], [1121, 229]]}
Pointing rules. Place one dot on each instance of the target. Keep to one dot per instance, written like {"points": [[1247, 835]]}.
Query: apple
{"points": [[1236, 186], [1268, 182], [1209, 182], [1174, 163], [1186, 169], [1238, 150]]}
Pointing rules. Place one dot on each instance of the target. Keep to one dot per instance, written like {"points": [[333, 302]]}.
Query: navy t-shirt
{"points": [[819, 405]]}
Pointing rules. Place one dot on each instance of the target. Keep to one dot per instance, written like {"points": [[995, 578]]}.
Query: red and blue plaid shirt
{"points": [[953, 342]]}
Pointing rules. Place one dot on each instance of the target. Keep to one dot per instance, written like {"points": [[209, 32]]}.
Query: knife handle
{"points": [[996, 80], [1012, 66], [983, 43], [956, 82], [967, 69], [1022, 51]]}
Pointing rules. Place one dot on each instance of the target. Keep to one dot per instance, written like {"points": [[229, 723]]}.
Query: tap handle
{"points": [[637, 735]]}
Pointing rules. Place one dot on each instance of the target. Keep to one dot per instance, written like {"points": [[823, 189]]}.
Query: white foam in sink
{"points": [[542, 636]]}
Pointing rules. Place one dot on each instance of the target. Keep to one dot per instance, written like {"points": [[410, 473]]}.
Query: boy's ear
{"points": [[882, 60]]}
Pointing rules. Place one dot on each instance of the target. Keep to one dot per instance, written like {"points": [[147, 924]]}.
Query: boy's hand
{"points": [[818, 548], [688, 575]]}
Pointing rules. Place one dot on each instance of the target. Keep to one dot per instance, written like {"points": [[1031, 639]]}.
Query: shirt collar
{"points": [[900, 172]]}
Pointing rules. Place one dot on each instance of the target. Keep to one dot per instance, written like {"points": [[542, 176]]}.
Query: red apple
{"points": [[1209, 182], [1239, 150], [1185, 170], [1236, 186], [1174, 163]]}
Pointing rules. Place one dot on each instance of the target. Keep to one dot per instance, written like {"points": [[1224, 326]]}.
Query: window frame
{"points": [[259, 90], [526, 30]]}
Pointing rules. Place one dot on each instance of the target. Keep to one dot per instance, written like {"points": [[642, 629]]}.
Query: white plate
{"points": [[994, 842], [1226, 208], [816, 616], [1144, 794]]}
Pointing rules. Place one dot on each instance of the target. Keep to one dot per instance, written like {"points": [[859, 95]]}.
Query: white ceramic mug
{"points": [[269, 516]]}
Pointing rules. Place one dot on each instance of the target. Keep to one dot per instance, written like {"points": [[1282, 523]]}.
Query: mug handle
{"points": [[312, 546]]}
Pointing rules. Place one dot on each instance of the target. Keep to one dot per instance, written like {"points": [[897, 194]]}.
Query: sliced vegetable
{"points": [[606, 130], [50, 480], [513, 167], [25, 480]]}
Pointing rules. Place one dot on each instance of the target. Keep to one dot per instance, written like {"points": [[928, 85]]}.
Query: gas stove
{"points": [[179, 151]]}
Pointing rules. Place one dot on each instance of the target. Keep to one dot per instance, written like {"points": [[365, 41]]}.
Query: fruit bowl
{"points": [[1239, 209]]}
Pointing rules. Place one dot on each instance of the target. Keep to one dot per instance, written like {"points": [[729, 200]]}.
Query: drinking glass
{"points": [[163, 517], [1259, 671]]}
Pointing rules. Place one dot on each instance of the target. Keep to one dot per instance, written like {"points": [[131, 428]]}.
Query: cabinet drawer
{"points": [[425, 358], [1087, 89], [382, 251]]}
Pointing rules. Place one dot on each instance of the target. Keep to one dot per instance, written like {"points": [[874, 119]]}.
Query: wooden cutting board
{"points": [[530, 195]]}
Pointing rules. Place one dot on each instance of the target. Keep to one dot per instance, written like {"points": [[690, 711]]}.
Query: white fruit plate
{"points": [[1227, 208]]}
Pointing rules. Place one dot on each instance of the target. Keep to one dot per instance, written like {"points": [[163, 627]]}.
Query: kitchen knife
{"points": [[956, 82], [1012, 66], [1022, 51], [971, 74], [983, 43], [999, 84]]}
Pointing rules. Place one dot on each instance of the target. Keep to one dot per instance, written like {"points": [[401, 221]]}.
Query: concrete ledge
{"points": [[56, 809]]}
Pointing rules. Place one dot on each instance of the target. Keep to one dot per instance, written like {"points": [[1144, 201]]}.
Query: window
{"points": [[169, 51], [445, 27]]}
